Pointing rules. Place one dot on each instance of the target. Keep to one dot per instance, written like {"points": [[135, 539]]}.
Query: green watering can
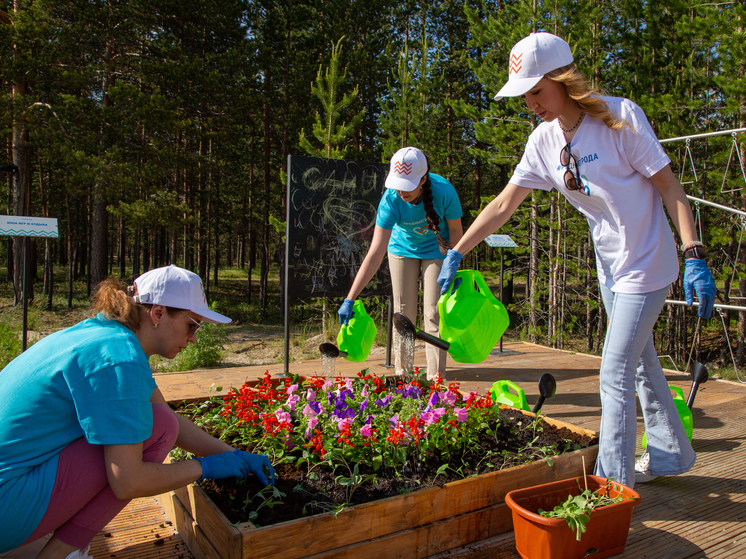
{"points": [[355, 338], [508, 393], [471, 318], [699, 376]]}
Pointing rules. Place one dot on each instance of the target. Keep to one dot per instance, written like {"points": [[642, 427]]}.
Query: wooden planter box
{"points": [[414, 525]]}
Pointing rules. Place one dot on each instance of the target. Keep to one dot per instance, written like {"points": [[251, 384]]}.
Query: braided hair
{"points": [[433, 219]]}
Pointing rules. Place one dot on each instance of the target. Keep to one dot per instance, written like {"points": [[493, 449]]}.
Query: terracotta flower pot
{"points": [[539, 537]]}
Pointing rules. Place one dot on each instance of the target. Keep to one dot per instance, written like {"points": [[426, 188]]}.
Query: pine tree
{"points": [[326, 130]]}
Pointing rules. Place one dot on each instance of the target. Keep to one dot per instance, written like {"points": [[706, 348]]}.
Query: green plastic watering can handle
{"points": [[501, 392]]}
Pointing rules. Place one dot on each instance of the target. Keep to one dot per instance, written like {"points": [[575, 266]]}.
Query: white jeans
{"points": [[630, 361], [405, 276]]}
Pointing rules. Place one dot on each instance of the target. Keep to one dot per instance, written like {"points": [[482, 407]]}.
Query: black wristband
{"points": [[696, 252]]}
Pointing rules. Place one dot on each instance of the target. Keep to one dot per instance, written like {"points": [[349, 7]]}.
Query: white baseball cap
{"points": [[408, 166], [530, 59], [176, 287]]}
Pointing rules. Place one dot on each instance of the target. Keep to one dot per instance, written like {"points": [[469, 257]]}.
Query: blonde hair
{"points": [[112, 300], [587, 98]]}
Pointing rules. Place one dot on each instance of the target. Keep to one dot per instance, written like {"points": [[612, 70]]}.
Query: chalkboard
{"points": [[331, 215]]}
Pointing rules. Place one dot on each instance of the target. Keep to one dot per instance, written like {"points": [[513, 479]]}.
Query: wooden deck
{"points": [[698, 514]]}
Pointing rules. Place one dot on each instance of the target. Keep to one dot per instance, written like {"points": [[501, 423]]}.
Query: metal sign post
{"points": [[22, 226], [500, 241]]}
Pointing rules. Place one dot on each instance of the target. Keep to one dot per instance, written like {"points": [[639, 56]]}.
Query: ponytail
{"points": [[433, 219], [112, 300]]}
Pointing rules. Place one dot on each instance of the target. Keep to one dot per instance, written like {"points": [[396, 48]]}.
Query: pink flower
{"points": [[309, 411], [462, 414], [292, 388], [342, 423], [429, 418], [282, 415], [327, 385], [310, 395], [364, 392], [438, 413], [448, 397], [311, 424], [348, 383], [292, 400], [366, 431]]}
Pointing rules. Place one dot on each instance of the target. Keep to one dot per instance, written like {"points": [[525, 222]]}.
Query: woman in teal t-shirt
{"points": [[84, 428], [410, 227]]}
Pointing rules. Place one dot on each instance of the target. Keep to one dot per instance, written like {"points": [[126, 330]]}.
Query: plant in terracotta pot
{"points": [[563, 520]]}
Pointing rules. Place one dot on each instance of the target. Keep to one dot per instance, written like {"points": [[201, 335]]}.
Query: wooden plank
{"points": [[430, 539], [213, 523], [192, 535]]}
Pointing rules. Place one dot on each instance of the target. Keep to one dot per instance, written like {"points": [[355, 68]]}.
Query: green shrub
{"points": [[207, 352], [10, 345]]}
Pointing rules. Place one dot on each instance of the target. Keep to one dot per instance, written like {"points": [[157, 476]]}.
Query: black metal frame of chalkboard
{"points": [[331, 215]]}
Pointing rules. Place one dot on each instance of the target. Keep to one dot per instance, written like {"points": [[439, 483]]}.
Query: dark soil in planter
{"points": [[307, 495]]}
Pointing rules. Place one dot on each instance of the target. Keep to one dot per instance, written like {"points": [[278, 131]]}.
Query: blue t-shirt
{"points": [[410, 236], [92, 380]]}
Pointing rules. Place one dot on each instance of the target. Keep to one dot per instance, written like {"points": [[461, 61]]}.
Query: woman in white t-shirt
{"points": [[419, 218], [604, 157]]}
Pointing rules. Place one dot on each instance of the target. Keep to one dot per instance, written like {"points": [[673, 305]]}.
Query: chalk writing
{"points": [[332, 207]]}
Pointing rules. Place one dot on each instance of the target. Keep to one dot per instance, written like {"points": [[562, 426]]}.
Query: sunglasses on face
{"points": [[572, 178], [194, 327]]}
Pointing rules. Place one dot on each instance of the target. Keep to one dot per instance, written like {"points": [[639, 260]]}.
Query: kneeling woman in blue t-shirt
{"points": [[410, 225], [84, 428]]}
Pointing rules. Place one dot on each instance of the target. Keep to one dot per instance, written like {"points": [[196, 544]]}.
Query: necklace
{"points": [[574, 127]]}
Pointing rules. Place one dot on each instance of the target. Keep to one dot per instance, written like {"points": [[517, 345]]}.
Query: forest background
{"points": [[158, 132]]}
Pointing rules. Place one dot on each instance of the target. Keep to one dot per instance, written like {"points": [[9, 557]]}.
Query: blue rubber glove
{"points": [[448, 270], [345, 311], [223, 465], [258, 464], [697, 276]]}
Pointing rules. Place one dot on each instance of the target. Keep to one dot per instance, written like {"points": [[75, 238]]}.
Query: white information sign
{"points": [[500, 241], [21, 226]]}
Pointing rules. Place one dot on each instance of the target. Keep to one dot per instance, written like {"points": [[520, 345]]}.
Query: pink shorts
{"points": [[82, 502]]}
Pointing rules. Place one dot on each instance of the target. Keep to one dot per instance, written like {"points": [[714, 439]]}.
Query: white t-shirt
{"points": [[635, 249]]}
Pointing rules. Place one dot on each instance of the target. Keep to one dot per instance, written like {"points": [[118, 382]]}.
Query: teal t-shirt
{"points": [[410, 236], [92, 380]]}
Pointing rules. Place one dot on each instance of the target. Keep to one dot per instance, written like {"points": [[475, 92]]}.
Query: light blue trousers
{"points": [[630, 362]]}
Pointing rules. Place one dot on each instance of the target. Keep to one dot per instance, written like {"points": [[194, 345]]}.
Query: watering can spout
{"points": [[330, 350], [547, 388], [699, 376], [407, 327]]}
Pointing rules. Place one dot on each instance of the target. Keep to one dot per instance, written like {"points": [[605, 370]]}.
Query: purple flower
{"points": [[462, 414], [409, 391], [346, 413], [383, 402], [394, 420], [363, 405], [432, 400]]}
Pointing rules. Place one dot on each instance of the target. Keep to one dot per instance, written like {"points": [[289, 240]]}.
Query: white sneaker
{"points": [[80, 554], [642, 469]]}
